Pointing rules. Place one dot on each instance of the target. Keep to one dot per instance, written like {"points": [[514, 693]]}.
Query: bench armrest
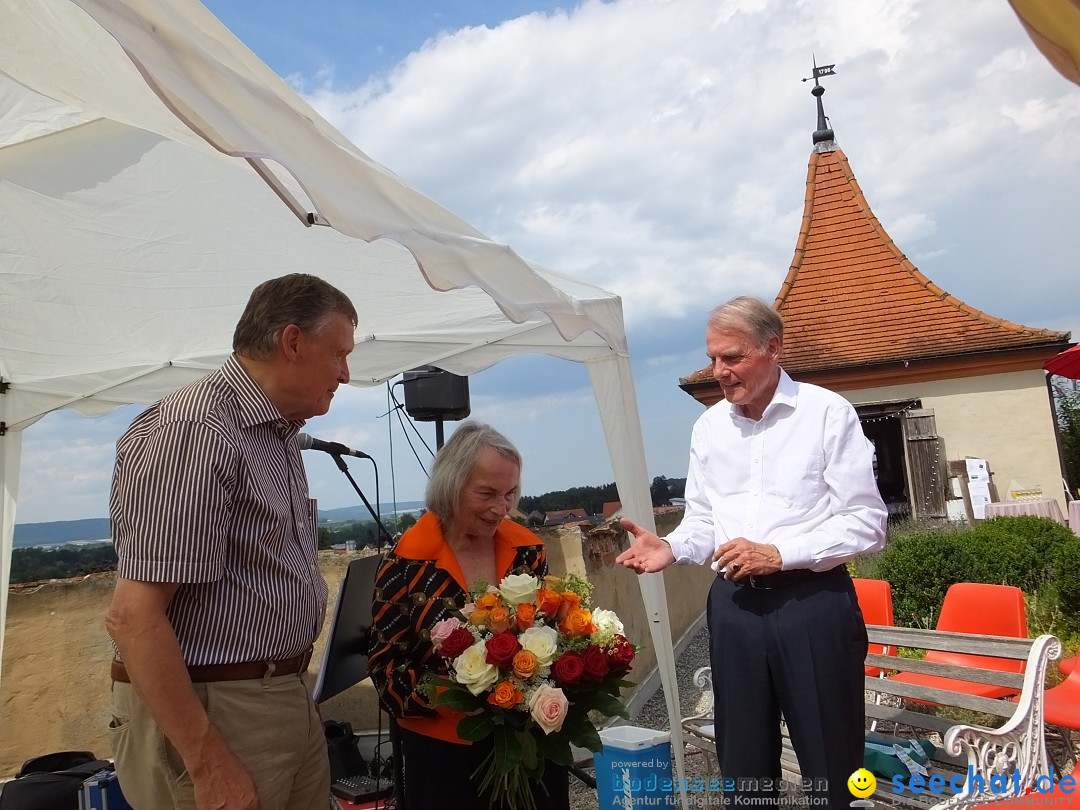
{"points": [[1019, 745]]}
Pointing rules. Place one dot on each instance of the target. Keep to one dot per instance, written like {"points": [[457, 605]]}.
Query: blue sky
{"points": [[658, 148]]}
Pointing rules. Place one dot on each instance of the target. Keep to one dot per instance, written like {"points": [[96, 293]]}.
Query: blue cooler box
{"points": [[634, 768]]}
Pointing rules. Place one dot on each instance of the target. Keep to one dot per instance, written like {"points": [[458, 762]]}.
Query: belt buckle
{"points": [[756, 585]]}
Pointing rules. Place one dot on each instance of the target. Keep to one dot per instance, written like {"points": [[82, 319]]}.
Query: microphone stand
{"points": [[381, 531], [395, 732]]}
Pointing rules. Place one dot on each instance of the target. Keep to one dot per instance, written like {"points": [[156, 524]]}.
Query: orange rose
{"points": [[480, 618], [488, 601], [525, 664], [506, 696], [578, 622], [525, 616], [499, 619], [570, 601], [548, 601]]}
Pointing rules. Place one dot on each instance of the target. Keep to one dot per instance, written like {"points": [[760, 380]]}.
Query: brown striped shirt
{"points": [[209, 491]]}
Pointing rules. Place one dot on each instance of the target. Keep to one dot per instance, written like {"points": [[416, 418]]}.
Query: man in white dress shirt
{"points": [[779, 495]]}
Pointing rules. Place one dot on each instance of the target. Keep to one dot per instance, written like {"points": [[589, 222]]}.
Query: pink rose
{"points": [[441, 630], [548, 708]]}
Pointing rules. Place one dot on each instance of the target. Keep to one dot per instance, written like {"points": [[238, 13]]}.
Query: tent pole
{"points": [[10, 455], [613, 387]]}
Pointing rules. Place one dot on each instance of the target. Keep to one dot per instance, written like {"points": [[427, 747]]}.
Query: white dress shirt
{"points": [[800, 478]]}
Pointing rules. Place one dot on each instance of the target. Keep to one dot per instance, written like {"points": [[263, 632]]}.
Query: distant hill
{"points": [[347, 513], [61, 531], [58, 532]]}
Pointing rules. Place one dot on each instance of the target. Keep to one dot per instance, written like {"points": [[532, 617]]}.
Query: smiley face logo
{"points": [[861, 783]]}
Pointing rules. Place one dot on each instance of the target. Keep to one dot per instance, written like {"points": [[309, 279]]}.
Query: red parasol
{"points": [[1066, 364]]}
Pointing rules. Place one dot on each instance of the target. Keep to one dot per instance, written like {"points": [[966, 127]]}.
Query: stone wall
{"points": [[54, 686]]}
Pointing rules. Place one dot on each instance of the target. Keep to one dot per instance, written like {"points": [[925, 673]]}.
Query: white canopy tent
{"points": [[138, 139]]}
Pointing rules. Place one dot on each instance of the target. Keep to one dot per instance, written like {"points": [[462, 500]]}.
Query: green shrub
{"points": [[920, 566], [1067, 582], [1037, 555], [1017, 550]]}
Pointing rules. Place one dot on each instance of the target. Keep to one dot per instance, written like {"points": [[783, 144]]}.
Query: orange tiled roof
{"points": [[852, 298], [610, 508]]}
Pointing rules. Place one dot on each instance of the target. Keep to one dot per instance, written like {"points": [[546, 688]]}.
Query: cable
{"points": [[416, 430]]}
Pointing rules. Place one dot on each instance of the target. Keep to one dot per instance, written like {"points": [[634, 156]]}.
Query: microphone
{"points": [[307, 442]]}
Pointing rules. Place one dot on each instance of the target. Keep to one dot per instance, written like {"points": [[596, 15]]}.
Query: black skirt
{"points": [[439, 774]]}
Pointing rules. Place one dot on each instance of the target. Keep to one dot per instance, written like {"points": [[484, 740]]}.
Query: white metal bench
{"points": [[1016, 744]]}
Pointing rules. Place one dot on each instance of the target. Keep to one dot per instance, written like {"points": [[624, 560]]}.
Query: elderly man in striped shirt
{"points": [[218, 595]]}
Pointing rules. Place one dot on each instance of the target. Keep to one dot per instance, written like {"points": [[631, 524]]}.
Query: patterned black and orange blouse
{"points": [[418, 584]]}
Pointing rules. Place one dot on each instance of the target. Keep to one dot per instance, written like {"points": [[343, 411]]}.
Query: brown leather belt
{"points": [[246, 671]]}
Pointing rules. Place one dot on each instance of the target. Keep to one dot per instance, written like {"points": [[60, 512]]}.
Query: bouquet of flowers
{"points": [[528, 661]]}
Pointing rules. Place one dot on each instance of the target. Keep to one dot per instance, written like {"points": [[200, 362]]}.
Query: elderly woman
{"points": [[463, 537]]}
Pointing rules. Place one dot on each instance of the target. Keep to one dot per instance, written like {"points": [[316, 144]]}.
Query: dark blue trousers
{"points": [[796, 650]]}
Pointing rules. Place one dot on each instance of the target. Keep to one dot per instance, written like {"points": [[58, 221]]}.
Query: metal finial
{"points": [[824, 131]]}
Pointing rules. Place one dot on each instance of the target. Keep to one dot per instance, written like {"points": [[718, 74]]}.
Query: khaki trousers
{"points": [[271, 724]]}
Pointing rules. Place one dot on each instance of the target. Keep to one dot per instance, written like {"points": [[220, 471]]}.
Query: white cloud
{"points": [[659, 148]]}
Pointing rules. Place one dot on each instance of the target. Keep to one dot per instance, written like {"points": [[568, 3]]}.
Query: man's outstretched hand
{"points": [[648, 553]]}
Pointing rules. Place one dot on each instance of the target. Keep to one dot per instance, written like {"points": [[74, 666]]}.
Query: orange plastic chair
{"points": [[1067, 665], [875, 602], [971, 607], [1061, 703]]}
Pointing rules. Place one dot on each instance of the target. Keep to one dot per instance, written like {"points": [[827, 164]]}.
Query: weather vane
{"points": [[824, 70], [824, 133]]}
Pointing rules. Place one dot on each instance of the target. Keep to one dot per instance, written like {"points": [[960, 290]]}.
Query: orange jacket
{"points": [[418, 584]]}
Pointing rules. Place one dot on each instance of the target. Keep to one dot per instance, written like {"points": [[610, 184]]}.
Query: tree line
{"points": [[592, 499], [36, 563], [1067, 406]]}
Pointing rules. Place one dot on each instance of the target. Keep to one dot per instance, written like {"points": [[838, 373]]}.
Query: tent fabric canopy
{"points": [[1065, 364], [1054, 27], [153, 171]]}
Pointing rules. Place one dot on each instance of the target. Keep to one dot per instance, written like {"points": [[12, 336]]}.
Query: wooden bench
{"points": [[1017, 742]]}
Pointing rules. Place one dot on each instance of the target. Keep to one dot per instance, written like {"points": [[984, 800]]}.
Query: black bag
{"points": [[343, 750], [52, 781]]}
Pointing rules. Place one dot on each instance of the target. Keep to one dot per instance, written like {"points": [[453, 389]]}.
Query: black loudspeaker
{"points": [[432, 394]]}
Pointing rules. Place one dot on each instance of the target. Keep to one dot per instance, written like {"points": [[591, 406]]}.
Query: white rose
{"points": [[541, 642], [473, 671], [607, 623], [518, 588]]}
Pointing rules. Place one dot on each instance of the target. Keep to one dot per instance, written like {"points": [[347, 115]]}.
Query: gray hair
{"points": [[298, 298], [750, 315], [454, 464]]}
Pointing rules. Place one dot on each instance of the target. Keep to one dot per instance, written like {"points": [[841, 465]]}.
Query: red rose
{"points": [[568, 669], [620, 655], [457, 642], [595, 663], [501, 649]]}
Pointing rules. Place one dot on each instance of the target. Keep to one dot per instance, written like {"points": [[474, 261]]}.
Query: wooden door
{"points": [[928, 474]]}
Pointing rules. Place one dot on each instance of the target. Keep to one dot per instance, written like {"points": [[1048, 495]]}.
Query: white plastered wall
{"points": [[1006, 419]]}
